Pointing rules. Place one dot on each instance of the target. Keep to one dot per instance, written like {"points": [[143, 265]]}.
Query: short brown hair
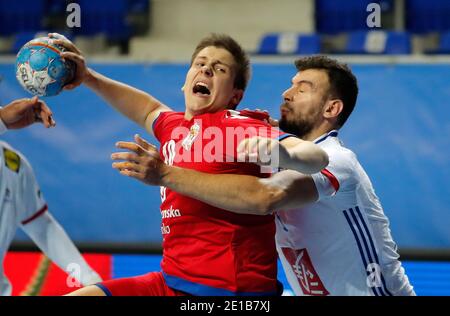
{"points": [[238, 53], [343, 83]]}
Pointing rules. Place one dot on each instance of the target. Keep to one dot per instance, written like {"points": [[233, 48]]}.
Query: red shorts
{"points": [[150, 284]]}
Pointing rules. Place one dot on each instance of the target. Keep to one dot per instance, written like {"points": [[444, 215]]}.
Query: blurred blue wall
{"points": [[400, 131]]}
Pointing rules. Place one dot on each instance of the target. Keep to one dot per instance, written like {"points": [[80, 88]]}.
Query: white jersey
{"points": [[22, 205], [21, 201], [341, 244]]}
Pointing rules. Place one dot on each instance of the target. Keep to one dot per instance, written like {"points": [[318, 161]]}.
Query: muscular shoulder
{"points": [[168, 116], [165, 121]]}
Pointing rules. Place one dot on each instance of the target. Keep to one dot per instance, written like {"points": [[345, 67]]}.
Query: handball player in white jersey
{"points": [[333, 237], [21, 202]]}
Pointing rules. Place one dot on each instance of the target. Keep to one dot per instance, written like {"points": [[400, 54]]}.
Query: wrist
{"points": [[89, 78], [167, 175]]}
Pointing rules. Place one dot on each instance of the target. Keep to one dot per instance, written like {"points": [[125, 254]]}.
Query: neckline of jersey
{"points": [[333, 133]]}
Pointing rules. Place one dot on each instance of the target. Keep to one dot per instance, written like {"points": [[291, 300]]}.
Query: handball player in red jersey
{"points": [[206, 250]]}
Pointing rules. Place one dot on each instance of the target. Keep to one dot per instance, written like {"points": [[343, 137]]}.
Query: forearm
{"points": [[305, 157], [131, 102], [236, 193], [54, 242]]}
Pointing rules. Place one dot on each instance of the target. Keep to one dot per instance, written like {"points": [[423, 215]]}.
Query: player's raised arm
{"points": [[54, 242], [135, 104]]}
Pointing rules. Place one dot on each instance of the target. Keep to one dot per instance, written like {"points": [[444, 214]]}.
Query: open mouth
{"points": [[201, 88]]}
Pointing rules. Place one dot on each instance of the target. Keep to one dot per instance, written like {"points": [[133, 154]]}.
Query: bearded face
{"points": [[304, 102]]}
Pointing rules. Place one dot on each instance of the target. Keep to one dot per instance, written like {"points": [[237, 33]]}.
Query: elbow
{"points": [[309, 160], [262, 208], [318, 162], [267, 201], [146, 118]]}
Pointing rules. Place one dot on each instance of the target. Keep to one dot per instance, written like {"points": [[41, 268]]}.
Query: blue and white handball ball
{"points": [[40, 69]]}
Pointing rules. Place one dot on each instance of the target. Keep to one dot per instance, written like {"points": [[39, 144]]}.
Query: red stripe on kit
{"points": [[334, 182], [38, 213]]}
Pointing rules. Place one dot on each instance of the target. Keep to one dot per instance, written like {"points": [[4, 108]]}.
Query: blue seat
{"points": [[356, 43], [56, 7], [17, 16], [268, 45], [378, 42], [424, 16], [333, 16], [289, 43], [398, 43], [444, 45], [309, 44], [108, 18], [138, 6]]}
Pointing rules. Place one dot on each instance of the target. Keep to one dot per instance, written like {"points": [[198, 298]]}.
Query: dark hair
{"points": [[343, 83], [238, 53]]}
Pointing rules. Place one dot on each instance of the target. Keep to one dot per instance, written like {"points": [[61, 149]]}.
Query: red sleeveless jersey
{"points": [[207, 250]]}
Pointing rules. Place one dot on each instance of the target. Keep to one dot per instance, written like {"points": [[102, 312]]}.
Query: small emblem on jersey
{"points": [[12, 160], [190, 138], [303, 268]]}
